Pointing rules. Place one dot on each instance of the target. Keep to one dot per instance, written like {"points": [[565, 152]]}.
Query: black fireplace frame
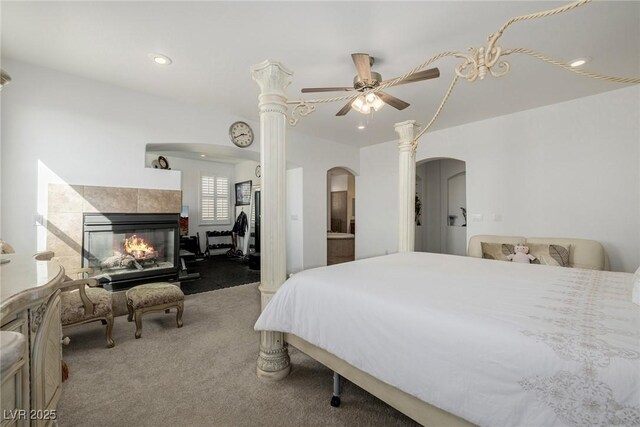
{"points": [[123, 222]]}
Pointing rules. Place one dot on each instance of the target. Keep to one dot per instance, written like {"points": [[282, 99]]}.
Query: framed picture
{"points": [[184, 221], [243, 193]]}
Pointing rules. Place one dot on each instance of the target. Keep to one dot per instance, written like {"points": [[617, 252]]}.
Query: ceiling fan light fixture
{"points": [[369, 83], [358, 103], [365, 104], [378, 103]]}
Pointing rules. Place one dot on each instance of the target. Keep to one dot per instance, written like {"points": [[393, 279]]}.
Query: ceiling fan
{"points": [[367, 79]]}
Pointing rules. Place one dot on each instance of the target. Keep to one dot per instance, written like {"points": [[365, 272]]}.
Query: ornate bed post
{"points": [[273, 78], [407, 184]]}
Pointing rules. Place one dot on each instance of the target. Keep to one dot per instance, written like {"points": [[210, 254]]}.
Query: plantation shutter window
{"points": [[215, 200]]}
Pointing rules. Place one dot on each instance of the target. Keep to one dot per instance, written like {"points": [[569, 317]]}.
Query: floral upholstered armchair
{"points": [[82, 302]]}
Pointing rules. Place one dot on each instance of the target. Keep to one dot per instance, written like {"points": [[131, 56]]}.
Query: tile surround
{"points": [[65, 198], [64, 237], [67, 203], [111, 199], [159, 201]]}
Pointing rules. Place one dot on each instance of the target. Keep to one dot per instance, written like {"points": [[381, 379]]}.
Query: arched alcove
{"points": [[341, 220], [441, 197]]}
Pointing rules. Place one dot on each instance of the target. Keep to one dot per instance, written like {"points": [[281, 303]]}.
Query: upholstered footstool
{"points": [[154, 297]]}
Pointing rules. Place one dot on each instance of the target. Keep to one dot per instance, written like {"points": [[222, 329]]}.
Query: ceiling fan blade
{"points": [[393, 101], [326, 89], [363, 65], [431, 73], [345, 109]]}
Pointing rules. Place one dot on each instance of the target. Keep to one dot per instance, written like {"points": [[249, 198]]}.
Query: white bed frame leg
{"points": [[335, 399]]}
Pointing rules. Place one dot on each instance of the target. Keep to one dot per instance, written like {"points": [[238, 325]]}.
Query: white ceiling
{"points": [[213, 44]]}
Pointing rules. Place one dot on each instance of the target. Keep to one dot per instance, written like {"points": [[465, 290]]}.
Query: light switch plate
{"points": [[38, 219]]}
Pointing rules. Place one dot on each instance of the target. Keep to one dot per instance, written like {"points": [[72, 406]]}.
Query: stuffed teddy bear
{"points": [[521, 254]]}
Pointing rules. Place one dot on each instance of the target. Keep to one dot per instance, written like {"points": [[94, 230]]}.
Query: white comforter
{"points": [[496, 343]]}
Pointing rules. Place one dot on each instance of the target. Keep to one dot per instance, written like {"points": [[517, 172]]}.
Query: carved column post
{"points": [[273, 78], [407, 184]]}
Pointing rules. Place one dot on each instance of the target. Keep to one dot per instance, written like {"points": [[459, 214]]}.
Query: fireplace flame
{"points": [[137, 247]]}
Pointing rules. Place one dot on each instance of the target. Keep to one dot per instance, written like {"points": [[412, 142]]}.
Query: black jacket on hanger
{"points": [[241, 225]]}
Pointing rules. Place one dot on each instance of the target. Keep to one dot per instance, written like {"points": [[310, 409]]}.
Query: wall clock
{"points": [[241, 134]]}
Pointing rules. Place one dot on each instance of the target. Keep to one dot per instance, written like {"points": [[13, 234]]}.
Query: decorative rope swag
{"points": [[479, 61]]}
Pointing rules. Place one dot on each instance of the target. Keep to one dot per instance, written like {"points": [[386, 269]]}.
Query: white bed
{"points": [[494, 343]]}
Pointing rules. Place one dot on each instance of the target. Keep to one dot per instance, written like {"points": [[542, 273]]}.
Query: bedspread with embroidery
{"points": [[585, 316], [496, 343]]}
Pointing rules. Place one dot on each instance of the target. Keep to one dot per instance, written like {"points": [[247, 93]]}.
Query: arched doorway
{"points": [[341, 205], [441, 194]]}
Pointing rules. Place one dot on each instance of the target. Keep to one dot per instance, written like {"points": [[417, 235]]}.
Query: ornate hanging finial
{"points": [[301, 109], [482, 60]]}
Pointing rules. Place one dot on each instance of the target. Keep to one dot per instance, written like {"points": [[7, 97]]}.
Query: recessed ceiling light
{"points": [[360, 127], [160, 59], [579, 62], [202, 155]]}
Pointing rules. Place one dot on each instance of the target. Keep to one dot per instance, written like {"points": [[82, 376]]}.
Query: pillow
{"points": [[498, 251], [545, 254]]}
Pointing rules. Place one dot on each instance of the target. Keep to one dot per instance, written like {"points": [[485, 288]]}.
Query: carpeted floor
{"points": [[201, 375], [218, 272]]}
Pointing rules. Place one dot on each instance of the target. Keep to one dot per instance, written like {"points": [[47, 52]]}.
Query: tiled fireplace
{"points": [[68, 204], [122, 248]]}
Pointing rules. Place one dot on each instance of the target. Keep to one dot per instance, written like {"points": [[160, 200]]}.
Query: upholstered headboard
{"points": [[583, 253]]}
